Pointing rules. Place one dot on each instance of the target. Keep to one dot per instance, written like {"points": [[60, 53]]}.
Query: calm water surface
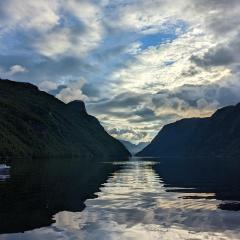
{"points": [[142, 199]]}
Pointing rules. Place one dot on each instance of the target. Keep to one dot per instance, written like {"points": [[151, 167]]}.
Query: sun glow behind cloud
{"points": [[137, 64]]}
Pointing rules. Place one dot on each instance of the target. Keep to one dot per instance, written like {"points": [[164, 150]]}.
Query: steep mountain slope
{"points": [[218, 136], [36, 124], [134, 148]]}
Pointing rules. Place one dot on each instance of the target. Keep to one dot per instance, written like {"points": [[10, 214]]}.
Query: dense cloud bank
{"points": [[138, 64]]}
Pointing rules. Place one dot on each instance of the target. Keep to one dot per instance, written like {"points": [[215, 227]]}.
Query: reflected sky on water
{"points": [[137, 203]]}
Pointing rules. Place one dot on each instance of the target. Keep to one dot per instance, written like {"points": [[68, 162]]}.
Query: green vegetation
{"points": [[36, 124]]}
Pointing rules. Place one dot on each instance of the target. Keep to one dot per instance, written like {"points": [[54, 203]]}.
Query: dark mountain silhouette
{"points": [[34, 123], [216, 136]]}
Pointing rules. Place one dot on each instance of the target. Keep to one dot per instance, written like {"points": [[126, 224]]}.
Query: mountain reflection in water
{"points": [[140, 199], [37, 189]]}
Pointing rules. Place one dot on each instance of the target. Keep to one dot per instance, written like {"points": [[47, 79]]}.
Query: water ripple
{"points": [[135, 204]]}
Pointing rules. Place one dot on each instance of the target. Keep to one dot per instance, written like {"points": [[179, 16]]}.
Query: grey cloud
{"points": [[145, 112], [219, 56], [227, 54], [95, 68], [191, 71], [129, 105], [151, 127], [221, 18], [169, 106], [124, 132], [61, 71], [120, 131], [58, 90], [122, 101], [223, 23], [169, 117], [225, 92], [90, 90], [215, 4], [22, 45]]}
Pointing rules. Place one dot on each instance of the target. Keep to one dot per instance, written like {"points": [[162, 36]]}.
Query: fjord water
{"points": [[137, 199]]}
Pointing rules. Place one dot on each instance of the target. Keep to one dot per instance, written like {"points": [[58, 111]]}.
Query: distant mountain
{"points": [[134, 148], [36, 124], [216, 136]]}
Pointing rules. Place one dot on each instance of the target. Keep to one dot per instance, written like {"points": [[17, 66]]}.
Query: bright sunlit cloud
{"points": [[144, 63]]}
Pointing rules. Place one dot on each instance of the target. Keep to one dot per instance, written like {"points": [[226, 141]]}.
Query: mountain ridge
{"points": [[215, 136], [34, 123]]}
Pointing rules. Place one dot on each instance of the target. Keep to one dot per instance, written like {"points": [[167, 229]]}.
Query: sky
{"points": [[137, 64]]}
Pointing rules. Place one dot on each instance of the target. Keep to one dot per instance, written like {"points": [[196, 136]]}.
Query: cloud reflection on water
{"points": [[134, 204]]}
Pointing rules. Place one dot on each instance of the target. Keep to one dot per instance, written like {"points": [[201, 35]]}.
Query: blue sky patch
{"points": [[156, 39], [173, 31]]}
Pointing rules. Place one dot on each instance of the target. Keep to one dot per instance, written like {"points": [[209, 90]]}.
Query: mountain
{"points": [[34, 123], [215, 136], [134, 148]]}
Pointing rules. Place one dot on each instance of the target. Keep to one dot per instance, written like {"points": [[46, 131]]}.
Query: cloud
{"points": [[55, 43], [72, 92], [28, 14], [48, 86], [151, 111], [56, 91], [77, 36], [127, 133], [218, 56], [51, 29], [15, 69], [146, 113], [90, 90], [144, 63], [191, 100], [121, 105]]}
